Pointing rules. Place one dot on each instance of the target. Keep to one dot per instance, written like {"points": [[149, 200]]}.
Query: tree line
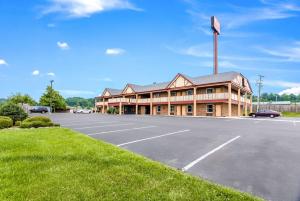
{"points": [[50, 98], [272, 97]]}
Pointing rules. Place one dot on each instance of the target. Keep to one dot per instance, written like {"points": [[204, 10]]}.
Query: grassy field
{"points": [[291, 114], [59, 164]]}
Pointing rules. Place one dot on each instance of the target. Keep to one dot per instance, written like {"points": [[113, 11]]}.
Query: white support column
{"points": [[229, 99], [246, 104], [195, 102], [239, 102], [169, 102], [151, 103], [120, 108], [136, 105], [251, 106]]}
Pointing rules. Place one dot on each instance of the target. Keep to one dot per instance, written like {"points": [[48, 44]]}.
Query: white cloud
{"points": [[85, 8], [114, 51], [51, 25], [293, 87], [289, 53], [35, 72], [3, 62], [294, 90], [107, 79], [63, 45], [51, 74], [73, 92], [279, 83], [241, 16]]}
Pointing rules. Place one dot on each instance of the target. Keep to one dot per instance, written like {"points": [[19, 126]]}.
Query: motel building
{"points": [[219, 95]]}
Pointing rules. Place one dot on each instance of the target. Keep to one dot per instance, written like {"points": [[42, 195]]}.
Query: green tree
{"points": [[53, 99], [18, 98], [80, 102], [14, 111]]}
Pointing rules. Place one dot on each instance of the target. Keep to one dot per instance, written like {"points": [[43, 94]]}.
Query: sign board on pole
{"points": [[215, 25]]}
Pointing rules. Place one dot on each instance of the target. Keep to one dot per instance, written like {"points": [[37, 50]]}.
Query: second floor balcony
{"points": [[187, 98]]}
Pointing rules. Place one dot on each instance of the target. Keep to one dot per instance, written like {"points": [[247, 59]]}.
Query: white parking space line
{"points": [[89, 123], [108, 125], [151, 138], [209, 153], [121, 130]]}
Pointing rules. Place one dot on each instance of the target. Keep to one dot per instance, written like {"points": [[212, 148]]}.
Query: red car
{"points": [[265, 113]]}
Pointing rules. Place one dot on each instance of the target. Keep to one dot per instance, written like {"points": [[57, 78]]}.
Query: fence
{"points": [[292, 107]]}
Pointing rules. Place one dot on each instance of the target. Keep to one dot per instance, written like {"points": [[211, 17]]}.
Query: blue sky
{"points": [[87, 45]]}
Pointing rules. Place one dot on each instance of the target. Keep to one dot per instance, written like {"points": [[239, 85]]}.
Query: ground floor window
{"points": [[210, 108], [189, 108], [172, 109], [158, 108]]}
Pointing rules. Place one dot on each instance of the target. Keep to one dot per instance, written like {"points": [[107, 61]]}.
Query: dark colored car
{"points": [[265, 113], [39, 110]]}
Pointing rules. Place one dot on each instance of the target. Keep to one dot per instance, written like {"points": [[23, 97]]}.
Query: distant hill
{"points": [[2, 100], [80, 102]]}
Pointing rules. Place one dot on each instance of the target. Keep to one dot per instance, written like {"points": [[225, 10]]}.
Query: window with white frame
{"points": [[173, 93], [210, 108], [209, 90], [189, 109], [158, 108], [189, 92]]}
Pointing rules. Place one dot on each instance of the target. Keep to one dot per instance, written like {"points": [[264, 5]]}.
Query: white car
{"points": [[84, 111]]}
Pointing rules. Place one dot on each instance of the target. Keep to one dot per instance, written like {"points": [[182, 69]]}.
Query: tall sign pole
{"points": [[216, 27]]}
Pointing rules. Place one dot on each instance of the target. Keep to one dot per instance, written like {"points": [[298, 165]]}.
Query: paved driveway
{"points": [[260, 156]]}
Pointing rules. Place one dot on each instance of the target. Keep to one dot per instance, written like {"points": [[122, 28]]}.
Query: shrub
{"points": [[112, 110], [37, 122], [39, 118], [15, 112], [18, 123], [5, 122]]}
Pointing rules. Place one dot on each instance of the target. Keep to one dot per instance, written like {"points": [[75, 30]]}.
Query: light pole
{"points": [[51, 85]]}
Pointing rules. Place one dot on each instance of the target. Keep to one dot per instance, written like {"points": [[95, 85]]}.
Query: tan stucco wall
{"points": [[180, 82], [163, 110], [143, 109]]}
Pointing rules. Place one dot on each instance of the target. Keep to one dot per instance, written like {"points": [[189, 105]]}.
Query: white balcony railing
{"points": [[199, 97], [144, 100], [123, 100], [234, 97], [101, 103], [214, 96], [181, 98], [160, 99]]}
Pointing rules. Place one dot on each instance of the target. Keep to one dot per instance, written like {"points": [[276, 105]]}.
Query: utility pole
{"points": [[51, 84], [259, 83]]}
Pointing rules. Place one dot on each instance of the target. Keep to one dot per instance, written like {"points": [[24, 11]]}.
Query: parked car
{"points": [[83, 111], [39, 109], [265, 113]]}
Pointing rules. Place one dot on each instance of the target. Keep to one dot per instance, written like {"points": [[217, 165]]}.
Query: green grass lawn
{"points": [[291, 114], [59, 164]]}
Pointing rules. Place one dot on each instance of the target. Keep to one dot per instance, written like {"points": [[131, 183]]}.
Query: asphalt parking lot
{"points": [[260, 156]]}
